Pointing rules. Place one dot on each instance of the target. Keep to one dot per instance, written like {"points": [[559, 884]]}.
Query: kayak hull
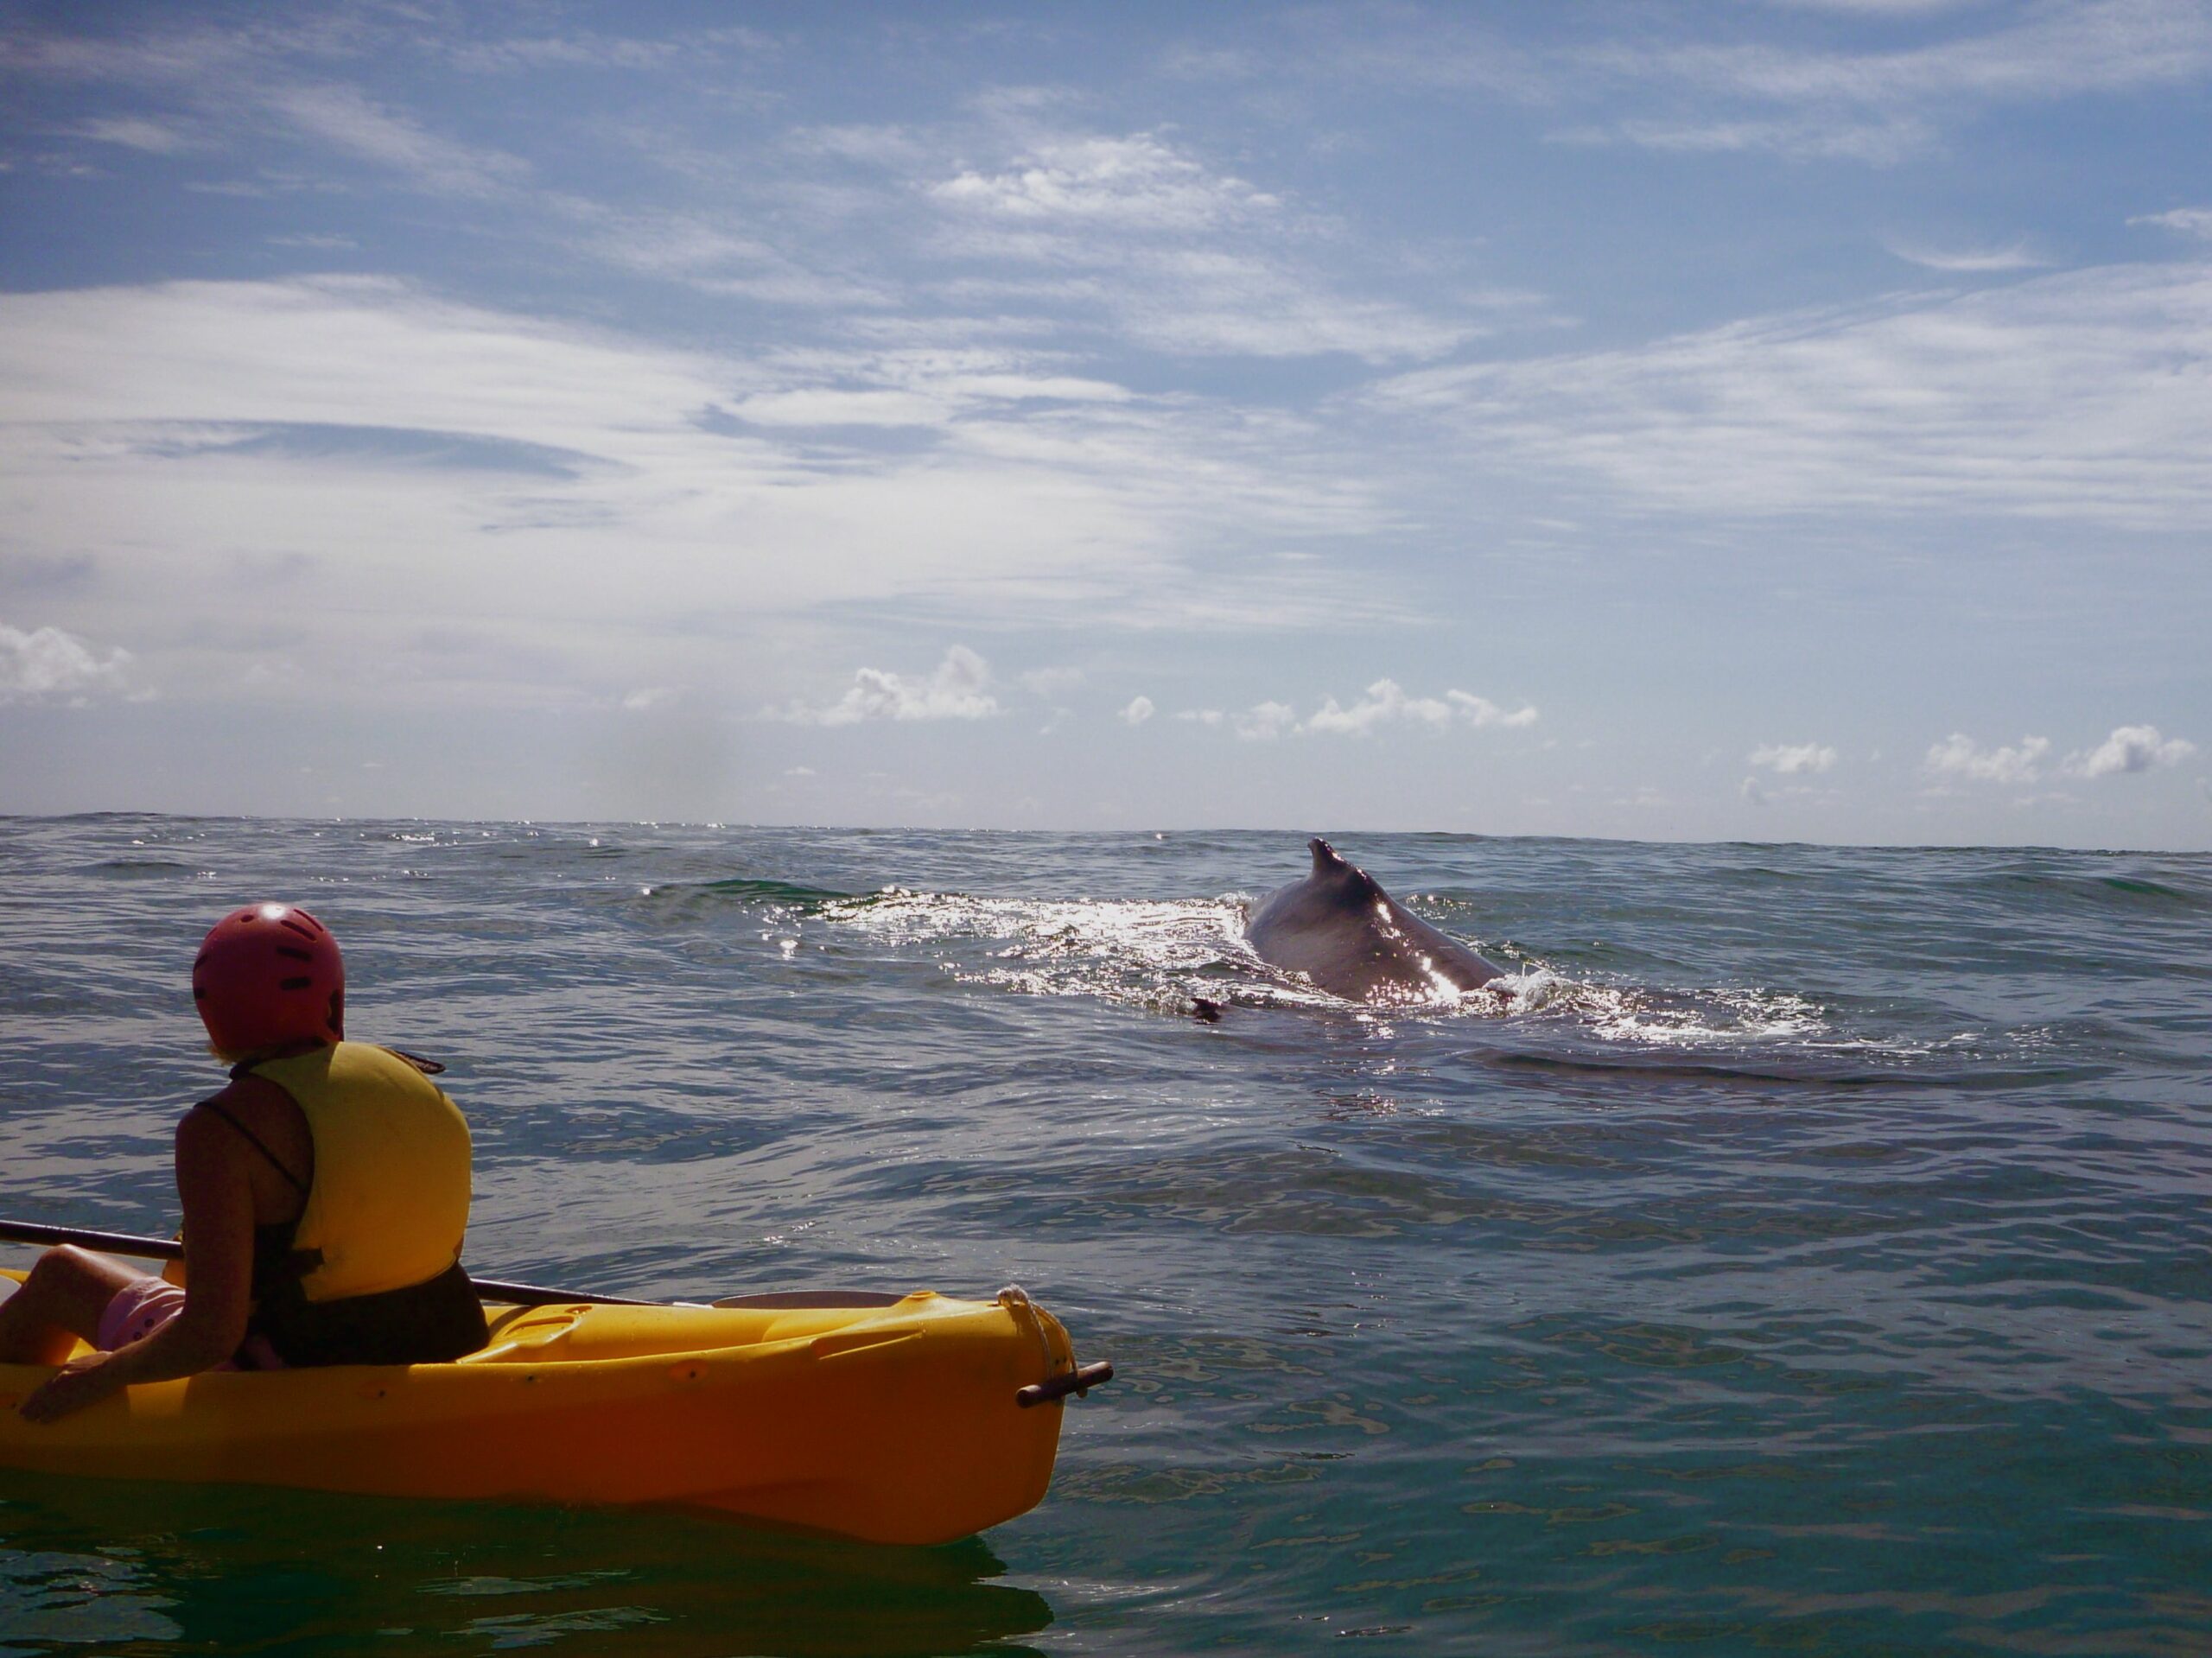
{"points": [[896, 1424]]}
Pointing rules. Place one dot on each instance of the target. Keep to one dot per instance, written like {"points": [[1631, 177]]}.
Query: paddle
{"points": [[528, 1295]]}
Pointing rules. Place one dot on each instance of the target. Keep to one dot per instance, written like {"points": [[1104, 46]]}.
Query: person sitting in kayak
{"points": [[325, 1195]]}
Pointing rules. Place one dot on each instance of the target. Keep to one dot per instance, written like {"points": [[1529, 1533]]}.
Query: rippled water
{"points": [[1816, 1258]]}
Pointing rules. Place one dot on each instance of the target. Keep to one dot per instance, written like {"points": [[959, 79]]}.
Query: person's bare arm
{"points": [[213, 1185]]}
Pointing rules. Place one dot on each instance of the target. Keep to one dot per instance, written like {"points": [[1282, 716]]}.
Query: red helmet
{"points": [[268, 976]]}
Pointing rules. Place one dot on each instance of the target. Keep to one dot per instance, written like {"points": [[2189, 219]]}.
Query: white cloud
{"points": [[1384, 703], [1791, 758], [2131, 748], [1264, 721], [47, 664], [1958, 756], [1481, 711], [1138, 181], [958, 690], [398, 452], [650, 696], [2084, 396], [1139, 710], [819, 407], [1177, 256], [916, 387]]}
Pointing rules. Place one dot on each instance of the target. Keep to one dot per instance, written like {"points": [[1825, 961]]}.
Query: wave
{"points": [[749, 893], [2136, 893]]}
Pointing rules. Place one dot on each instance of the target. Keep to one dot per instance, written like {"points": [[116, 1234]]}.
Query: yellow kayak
{"points": [[918, 1420]]}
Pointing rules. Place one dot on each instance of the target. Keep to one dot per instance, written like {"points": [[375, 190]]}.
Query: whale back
{"points": [[1343, 932]]}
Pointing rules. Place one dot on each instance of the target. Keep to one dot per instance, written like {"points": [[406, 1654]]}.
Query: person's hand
{"points": [[82, 1382]]}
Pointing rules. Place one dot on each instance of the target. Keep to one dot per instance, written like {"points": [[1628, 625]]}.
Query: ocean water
{"points": [[1815, 1258]]}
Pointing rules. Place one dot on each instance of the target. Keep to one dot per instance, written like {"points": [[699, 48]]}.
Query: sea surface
{"points": [[1814, 1259]]}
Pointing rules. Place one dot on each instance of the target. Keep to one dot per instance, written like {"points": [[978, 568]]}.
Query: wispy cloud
{"points": [[479, 452], [1681, 84], [1264, 722], [1005, 198], [1879, 105], [1879, 8], [350, 122], [1177, 255], [2084, 395], [229, 86], [1881, 139], [1384, 703], [1791, 758], [1137, 182], [915, 387], [2190, 221], [2016, 256], [1959, 756], [1139, 710], [580, 50], [135, 132]]}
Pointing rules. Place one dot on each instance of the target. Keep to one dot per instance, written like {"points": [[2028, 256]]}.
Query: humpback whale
{"points": [[1352, 939]]}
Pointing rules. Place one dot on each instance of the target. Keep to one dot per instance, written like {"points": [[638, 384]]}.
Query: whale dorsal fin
{"points": [[1350, 878]]}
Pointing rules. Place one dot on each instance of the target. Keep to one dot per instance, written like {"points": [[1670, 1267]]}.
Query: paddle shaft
{"points": [[126, 1243]]}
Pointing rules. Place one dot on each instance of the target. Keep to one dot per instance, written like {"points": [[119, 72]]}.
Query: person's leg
{"points": [[60, 1302]]}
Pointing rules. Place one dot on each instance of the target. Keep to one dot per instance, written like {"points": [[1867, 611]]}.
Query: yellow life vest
{"points": [[390, 1200]]}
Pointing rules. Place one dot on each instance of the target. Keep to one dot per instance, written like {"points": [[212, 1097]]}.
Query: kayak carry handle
{"points": [[1079, 1381]]}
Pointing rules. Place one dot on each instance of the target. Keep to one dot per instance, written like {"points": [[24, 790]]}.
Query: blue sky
{"points": [[1785, 419]]}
